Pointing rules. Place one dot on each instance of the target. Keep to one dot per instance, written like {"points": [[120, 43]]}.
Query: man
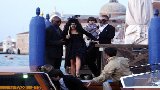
{"points": [[54, 43], [65, 82], [106, 31], [115, 69]]}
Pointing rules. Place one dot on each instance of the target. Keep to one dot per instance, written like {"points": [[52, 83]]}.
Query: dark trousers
{"points": [[99, 63], [67, 60], [93, 59], [55, 62]]}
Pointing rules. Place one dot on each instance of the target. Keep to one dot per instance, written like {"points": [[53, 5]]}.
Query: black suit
{"points": [[71, 83], [107, 35], [54, 46]]}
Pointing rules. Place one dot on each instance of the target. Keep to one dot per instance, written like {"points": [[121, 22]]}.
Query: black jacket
{"points": [[107, 35], [71, 83], [54, 44]]}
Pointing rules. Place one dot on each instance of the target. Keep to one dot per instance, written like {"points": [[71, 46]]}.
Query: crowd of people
{"points": [[79, 54]]}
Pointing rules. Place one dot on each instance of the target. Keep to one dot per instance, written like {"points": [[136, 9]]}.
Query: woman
{"points": [[76, 46]]}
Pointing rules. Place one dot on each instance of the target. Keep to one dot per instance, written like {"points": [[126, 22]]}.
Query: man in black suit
{"points": [[106, 31], [65, 82], [54, 43]]}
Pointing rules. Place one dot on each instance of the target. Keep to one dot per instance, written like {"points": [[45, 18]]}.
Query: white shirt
{"points": [[102, 27], [62, 84]]}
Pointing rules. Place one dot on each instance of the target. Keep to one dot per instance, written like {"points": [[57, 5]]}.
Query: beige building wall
{"points": [[23, 42]]}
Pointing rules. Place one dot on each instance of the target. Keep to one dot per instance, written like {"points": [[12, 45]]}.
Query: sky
{"points": [[15, 15]]}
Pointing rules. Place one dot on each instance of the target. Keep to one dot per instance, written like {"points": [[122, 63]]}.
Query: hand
{"points": [[88, 84], [95, 42], [67, 36], [62, 41], [67, 26], [98, 31]]}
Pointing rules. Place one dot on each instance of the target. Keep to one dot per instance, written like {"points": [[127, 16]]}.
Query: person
{"points": [[92, 51], [18, 51], [106, 31], [54, 43], [76, 46], [65, 82], [45, 68], [91, 27], [115, 69]]}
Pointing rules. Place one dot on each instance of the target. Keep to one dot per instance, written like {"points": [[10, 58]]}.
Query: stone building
{"points": [[9, 45], [115, 10], [156, 4], [23, 42]]}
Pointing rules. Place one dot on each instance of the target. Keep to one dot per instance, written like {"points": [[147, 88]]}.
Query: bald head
{"points": [[56, 20]]}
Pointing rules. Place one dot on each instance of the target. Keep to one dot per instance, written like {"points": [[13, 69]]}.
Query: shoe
{"points": [[78, 76], [68, 70]]}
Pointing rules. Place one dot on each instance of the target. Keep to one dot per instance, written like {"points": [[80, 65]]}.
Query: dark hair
{"points": [[55, 73], [73, 20], [92, 19], [45, 68], [110, 51]]}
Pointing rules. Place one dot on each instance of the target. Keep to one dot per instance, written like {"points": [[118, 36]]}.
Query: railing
{"points": [[137, 54]]}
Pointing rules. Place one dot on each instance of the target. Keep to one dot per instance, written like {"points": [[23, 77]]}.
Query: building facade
{"points": [[9, 45], [23, 42]]}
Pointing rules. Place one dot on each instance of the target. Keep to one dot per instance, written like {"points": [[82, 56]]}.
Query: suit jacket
{"points": [[71, 83], [54, 45], [107, 35]]}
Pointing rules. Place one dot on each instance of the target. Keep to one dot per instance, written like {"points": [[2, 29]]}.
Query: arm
{"points": [[106, 73], [52, 39], [57, 42], [111, 32], [65, 31], [92, 28], [88, 29], [88, 34]]}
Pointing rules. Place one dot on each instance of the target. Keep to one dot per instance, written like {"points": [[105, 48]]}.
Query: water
{"points": [[17, 63], [18, 60], [14, 63]]}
